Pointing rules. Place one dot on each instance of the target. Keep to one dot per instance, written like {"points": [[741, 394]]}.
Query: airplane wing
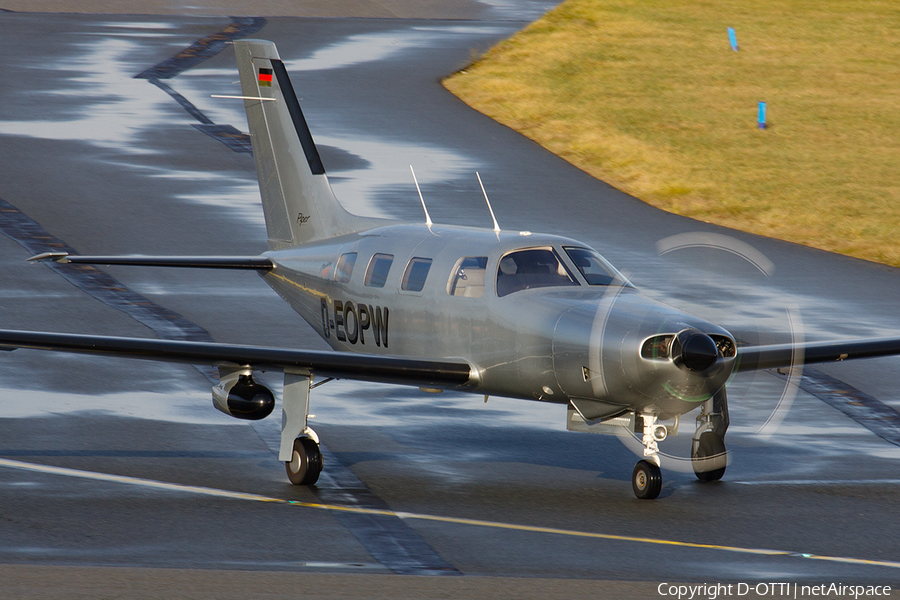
{"points": [[784, 355], [259, 263], [449, 373]]}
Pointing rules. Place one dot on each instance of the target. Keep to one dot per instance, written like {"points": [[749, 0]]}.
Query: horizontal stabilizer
{"points": [[750, 358], [259, 263], [340, 365]]}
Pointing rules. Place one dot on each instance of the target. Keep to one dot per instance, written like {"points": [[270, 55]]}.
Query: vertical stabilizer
{"points": [[297, 199]]}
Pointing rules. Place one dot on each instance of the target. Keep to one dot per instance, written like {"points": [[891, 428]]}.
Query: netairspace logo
{"points": [[711, 591]]}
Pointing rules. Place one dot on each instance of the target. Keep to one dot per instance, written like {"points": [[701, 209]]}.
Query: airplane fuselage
{"points": [[557, 339]]}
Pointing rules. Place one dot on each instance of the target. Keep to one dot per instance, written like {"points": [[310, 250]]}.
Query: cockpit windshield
{"points": [[594, 268], [532, 268]]}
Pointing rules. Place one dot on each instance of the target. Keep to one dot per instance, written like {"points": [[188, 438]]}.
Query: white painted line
{"points": [[243, 97], [150, 483]]}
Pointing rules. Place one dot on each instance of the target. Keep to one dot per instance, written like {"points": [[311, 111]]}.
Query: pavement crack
{"points": [[198, 52]]}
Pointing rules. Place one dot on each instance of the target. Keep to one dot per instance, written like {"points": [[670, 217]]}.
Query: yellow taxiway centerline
{"points": [[191, 489]]}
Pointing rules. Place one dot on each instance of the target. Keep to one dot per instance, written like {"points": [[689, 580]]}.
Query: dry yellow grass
{"points": [[648, 96]]}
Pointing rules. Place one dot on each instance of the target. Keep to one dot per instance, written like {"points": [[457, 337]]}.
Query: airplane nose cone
{"points": [[698, 350]]}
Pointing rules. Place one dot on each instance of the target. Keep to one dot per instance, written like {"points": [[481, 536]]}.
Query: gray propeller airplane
{"points": [[514, 314]]}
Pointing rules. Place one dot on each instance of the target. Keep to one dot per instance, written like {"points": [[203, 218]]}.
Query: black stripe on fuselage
{"points": [[290, 98]]}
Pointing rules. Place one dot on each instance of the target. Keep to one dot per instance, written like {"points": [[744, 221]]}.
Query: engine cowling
{"points": [[241, 397]]}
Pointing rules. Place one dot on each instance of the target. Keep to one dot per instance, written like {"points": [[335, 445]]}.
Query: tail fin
{"points": [[297, 199]]}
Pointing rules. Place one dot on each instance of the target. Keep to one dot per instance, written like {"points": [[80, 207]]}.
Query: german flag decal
{"points": [[265, 77]]}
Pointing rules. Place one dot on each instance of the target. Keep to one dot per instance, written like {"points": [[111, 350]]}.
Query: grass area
{"points": [[648, 96]]}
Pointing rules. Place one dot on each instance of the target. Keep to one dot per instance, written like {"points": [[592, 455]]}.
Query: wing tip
{"points": [[60, 257]]}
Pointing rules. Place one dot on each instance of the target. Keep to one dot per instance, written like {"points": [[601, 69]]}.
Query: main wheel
{"points": [[646, 480], [710, 452], [306, 462]]}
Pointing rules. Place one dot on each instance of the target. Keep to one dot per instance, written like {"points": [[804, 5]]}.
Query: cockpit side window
{"points": [[532, 268], [467, 278], [594, 267], [344, 268], [415, 275], [379, 267]]}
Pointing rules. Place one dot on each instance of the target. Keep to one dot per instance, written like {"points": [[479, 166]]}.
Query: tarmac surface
{"points": [[118, 479]]}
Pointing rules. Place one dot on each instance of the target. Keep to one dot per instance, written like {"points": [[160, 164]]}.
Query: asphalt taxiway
{"points": [[116, 463]]}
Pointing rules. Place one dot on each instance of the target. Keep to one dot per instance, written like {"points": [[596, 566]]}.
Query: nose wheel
{"points": [[646, 480]]}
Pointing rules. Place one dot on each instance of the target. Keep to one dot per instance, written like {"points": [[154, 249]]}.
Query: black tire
{"points": [[710, 444], [646, 480], [306, 462]]}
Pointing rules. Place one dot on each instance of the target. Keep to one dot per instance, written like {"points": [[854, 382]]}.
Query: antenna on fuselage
{"points": [[496, 225], [425, 208]]}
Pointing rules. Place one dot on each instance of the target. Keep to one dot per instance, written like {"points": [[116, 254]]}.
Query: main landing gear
{"points": [[299, 448], [708, 454]]}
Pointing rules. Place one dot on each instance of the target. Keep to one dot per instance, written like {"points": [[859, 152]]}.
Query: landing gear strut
{"points": [[708, 452], [646, 479]]}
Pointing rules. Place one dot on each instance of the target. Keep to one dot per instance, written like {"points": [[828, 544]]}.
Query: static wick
{"points": [[761, 117], [732, 39], [425, 208], [496, 225]]}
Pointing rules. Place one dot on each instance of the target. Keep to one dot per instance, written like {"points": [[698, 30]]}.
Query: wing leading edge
{"points": [[785, 355], [450, 373]]}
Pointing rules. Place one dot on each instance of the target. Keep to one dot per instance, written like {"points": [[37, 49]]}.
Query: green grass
{"points": [[648, 96]]}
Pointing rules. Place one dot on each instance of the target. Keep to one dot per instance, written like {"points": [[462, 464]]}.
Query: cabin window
{"points": [[533, 268], [344, 267], [416, 272], [379, 267], [594, 267], [467, 278]]}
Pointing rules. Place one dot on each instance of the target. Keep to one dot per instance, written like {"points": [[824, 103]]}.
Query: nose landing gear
{"points": [[708, 454], [646, 479]]}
